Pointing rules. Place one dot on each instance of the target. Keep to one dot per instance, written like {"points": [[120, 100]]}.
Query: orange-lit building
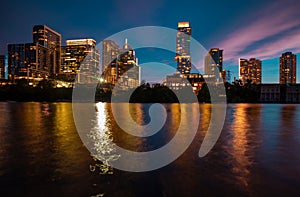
{"points": [[250, 70], [51, 40], [180, 81], [28, 60], [183, 39], [123, 69], [287, 72], [80, 53]]}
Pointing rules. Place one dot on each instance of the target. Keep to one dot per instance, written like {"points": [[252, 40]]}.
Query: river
{"points": [[257, 154]]}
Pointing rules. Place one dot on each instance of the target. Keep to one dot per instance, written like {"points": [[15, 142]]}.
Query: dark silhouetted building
{"points": [[19, 59], [287, 68], [276, 93], [2, 66], [183, 39], [213, 62]]}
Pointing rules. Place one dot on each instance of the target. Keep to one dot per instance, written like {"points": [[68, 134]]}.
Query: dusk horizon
{"points": [[264, 34]]}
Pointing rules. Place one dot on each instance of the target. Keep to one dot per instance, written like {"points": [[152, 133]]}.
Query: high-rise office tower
{"points": [[78, 51], [183, 39], [80, 57], [250, 70], [213, 62], [2, 66], [17, 56], [51, 40], [122, 65], [287, 68], [110, 50], [28, 60]]}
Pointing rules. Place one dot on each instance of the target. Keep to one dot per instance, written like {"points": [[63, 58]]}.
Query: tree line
{"points": [[45, 91]]}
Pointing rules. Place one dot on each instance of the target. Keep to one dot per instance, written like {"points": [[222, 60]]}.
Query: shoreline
{"points": [[70, 101]]}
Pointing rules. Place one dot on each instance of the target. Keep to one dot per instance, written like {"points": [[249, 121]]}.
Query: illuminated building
{"points": [[287, 68], [39, 59], [183, 40], [250, 70], [213, 62], [196, 80], [123, 69], [2, 66], [179, 81], [110, 50], [28, 60], [80, 53], [51, 40], [18, 56]]}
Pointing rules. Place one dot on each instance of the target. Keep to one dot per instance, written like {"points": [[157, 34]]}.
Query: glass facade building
{"points": [[110, 51], [122, 66], [79, 51], [28, 60], [51, 40], [183, 39]]}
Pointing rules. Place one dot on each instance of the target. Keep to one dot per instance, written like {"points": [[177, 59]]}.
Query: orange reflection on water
{"points": [[241, 151], [205, 115]]}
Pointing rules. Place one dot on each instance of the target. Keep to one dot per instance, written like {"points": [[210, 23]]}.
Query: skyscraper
{"points": [[110, 50], [213, 62], [80, 54], [76, 51], [17, 56], [51, 40], [183, 40], [28, 60], [287, 68], [122, 65], [250, 70]]}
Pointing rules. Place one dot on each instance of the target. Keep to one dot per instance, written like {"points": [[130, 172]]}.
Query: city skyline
{"points": [[41, 40], [264, 34]]}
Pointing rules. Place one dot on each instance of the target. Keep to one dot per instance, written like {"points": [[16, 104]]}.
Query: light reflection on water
{"points": [[42, 155], [243, 142], [101, 137]]}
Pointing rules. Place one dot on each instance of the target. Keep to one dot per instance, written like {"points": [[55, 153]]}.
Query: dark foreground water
{"points": [[257, 154]]}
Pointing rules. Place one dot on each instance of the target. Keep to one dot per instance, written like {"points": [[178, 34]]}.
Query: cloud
{"points": [[276, 29], [277, 47]]}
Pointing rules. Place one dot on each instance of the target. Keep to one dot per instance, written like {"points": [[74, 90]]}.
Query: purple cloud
{"points": [[276, 28]]}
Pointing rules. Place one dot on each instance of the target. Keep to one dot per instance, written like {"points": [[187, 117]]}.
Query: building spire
{"points": [[126, 44]]}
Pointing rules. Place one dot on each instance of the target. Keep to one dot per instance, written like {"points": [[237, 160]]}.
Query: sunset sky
{"points": [[261, 29]]}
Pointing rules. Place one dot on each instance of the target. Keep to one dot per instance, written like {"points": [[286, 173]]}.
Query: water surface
{"points": [[41, 153]]}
